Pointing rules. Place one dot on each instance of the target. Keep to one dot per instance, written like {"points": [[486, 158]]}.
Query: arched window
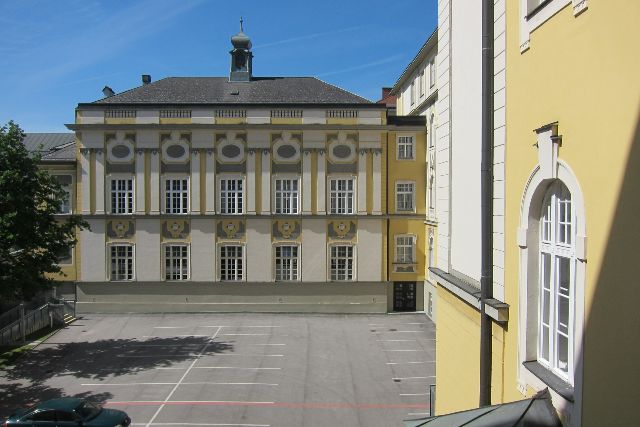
{"points": [[556, 293]]}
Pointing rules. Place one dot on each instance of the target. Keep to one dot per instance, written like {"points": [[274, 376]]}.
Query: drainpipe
{"points": [[486, 194]]}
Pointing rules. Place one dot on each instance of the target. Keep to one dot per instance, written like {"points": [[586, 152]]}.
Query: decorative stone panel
{"points": [[121, 229], [342, 230], [176, 229], [230, 229], [285, 229]]}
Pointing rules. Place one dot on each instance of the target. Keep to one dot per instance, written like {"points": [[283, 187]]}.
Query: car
{"points": [[67, 411]]}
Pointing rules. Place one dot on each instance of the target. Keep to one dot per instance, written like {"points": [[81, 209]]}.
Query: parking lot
{"points": [[236, 369]]}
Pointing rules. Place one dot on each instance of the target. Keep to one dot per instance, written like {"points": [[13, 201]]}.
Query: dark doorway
{"points": [[404, 296]]}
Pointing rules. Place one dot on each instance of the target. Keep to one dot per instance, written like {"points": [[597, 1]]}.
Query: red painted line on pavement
{"points": [[290, 405]]}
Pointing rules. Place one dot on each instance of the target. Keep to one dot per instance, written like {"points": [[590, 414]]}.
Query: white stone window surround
{"points": [[341, 194], [120, 139], [286, 201], [233, 256], [405, 192], [176, 201], [124, 255], [286, 140], [342, 262], [66, 207], [175, 140], [230, 139], [181, 260], [238, 195], [342, 139], [125, 199], [405, 146], [547, 9], [289, 265], [405, 249], [545, 173]]}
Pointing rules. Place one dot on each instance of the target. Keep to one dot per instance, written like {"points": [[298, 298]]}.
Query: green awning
{"points": [[537, 411]]}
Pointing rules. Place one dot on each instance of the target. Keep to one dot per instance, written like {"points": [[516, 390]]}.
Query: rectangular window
{"points": [[176, 195], [405, 250], [421, 82], [286, 196], [286, 263], [122, 262], [231, 196], [404, 196], [341, 262], [432, 73], [121, 196], [176, 262], [413, 92], [405, 148], [231, 263], [342, 196], [65, 182]]}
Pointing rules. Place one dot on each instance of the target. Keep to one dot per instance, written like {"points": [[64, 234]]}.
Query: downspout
{"points": [[486, 195]]}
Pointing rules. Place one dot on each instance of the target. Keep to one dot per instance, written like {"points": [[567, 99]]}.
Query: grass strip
{"points": [[9, 354]]}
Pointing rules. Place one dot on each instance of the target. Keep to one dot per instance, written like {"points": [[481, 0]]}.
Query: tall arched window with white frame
{"points": [[556, 299]]}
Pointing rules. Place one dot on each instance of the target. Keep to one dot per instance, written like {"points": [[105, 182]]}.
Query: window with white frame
{"points": [[432, 72], [405, 195], [431, 178], [176, 262], [421, 83], [231, 196], [287, 195], [405, 148], [342, 195], [122, 262], [405, 249], [65, 182], [286, 260], [557, 279], [121, 195], [413, 92], [231, 263], [176, 195], [341, 259]]}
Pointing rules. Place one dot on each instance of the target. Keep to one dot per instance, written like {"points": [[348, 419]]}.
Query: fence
{"points": [[48, 315]]}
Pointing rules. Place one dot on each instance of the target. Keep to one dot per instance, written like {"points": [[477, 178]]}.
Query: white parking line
{"points": [[413, 378], [184, 375], [196, 355], [235, 367], [241, 326], [408, 363], [264, 344], [165, 345], [403, 350], [414, 394], [202, 424], [248, 335], [157, 383], [175, 336], [249, 355]]}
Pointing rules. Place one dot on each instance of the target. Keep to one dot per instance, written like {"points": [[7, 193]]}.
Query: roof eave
{"points": [[432, 41]]}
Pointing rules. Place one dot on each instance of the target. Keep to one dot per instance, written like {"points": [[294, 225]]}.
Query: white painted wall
{"points": [[93, 252], [203, 251], [258, 250], [369, 250], [314, 250], [466, 87], [148, 256]]}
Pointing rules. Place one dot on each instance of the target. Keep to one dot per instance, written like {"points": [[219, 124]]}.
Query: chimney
{"points": [[385, 92], [146, 79], [107, 91]]}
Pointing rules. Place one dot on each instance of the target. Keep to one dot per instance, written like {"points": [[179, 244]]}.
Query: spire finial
{"points": [[241, 21]]}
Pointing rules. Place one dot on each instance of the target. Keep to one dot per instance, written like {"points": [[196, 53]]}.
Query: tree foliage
{"points": [[32, 236]]}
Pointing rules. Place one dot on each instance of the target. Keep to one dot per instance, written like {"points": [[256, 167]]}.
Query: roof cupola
{"points": [[241, 57]]}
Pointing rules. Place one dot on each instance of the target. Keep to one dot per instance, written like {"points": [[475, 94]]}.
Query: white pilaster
{"points": [[321, 183], [306, 182], [155, 182], [251, 181], [362, 182], [195, 181], [210, 181], [266, 182], [140, 207], [99, 181], [85, 179], [377, 182]]}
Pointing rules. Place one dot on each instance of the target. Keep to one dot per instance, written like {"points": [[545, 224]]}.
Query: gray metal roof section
{"points": [[220, 91], [52, 146]]}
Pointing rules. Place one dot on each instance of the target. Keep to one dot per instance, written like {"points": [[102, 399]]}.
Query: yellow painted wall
{"points": [[408, 170], [407, 226], [583, 73], [286, 121]]}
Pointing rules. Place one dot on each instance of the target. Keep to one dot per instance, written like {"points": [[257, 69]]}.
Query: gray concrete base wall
{"points": [[154, 297]]}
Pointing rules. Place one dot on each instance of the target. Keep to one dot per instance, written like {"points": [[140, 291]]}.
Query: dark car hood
{"points": [[107, 417]]}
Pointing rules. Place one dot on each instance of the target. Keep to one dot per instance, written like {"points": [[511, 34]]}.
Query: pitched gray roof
{"points": [[220, 91], [52, 146]]}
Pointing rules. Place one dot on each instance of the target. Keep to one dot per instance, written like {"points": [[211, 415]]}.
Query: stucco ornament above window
{"points": [[231, 148], [286, 148], [120, 148], [175, 148], [342, 149]]}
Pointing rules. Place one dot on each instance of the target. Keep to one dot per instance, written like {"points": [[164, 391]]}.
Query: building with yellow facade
{"points": [[245, 193], [566, 105]]}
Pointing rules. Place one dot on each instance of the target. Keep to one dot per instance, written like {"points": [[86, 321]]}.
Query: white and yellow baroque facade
{"points": [[240, 209]]}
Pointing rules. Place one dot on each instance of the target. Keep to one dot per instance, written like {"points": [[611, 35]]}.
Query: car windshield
{"points": [[87, 410]]}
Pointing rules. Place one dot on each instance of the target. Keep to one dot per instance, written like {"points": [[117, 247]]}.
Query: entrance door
{"points": [[404, 296]]}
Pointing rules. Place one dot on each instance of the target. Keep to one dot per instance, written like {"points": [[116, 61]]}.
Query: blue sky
{"points": [[55, 54]]}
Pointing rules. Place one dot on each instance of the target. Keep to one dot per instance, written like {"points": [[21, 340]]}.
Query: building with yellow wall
{"points": [[245, 193], [566, 109]]}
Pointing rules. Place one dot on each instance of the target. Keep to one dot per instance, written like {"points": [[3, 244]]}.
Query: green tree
{"points": [[32, 237]]}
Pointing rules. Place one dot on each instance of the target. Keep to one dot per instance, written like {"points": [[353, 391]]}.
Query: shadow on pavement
{"points": [[31, 379]]}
